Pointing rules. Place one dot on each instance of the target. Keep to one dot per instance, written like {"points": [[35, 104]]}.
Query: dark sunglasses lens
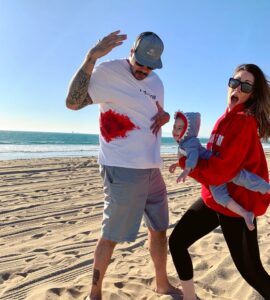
{"points": [[234, 83], [246, 87], [143, 66]]}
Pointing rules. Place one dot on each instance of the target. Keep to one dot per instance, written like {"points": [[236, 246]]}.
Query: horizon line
{"points": [[165, 134]]}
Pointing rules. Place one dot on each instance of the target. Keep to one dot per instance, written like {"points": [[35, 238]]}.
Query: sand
{"points": [[50, 216]]}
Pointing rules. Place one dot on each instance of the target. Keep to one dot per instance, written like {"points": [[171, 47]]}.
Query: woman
{"points": [[235, 141]]}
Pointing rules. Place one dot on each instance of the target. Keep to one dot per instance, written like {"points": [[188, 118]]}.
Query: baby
{"points": [[185, 131]]}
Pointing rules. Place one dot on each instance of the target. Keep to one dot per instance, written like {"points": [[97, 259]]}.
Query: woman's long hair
{"points": [[259, 103]]}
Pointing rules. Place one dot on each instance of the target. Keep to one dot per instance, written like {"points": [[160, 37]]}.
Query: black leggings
{"points": [[198, 221]]}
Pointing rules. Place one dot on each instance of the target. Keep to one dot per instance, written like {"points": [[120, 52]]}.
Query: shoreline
{"points": [[51, 211], [78, 155]]}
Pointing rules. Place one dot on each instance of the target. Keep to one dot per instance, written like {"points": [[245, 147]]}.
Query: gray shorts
{"points": [[131, 194]]}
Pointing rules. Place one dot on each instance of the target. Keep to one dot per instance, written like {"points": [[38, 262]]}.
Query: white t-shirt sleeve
{"points": [[98, 88]]}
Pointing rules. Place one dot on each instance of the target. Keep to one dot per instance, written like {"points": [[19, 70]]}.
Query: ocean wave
{"points": [[11, 148], [11, 151]]}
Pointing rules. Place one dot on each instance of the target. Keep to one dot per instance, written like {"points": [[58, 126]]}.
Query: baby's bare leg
{"points": [[247, 215]]}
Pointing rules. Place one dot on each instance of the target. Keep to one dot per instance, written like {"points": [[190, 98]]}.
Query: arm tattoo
{"points": [[96, 276], [78, 92]]}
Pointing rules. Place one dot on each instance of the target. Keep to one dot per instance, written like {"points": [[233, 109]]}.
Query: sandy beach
{"points": [[50, 216]]}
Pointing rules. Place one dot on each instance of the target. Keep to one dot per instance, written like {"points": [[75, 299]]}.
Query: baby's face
{"points": [[178, 128]]}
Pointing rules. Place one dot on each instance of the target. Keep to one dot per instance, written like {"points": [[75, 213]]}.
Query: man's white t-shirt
{"points": [[126, 108]]}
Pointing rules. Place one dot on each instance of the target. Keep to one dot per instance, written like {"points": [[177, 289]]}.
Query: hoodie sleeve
{"points": [[192, 147], [235, 147]]}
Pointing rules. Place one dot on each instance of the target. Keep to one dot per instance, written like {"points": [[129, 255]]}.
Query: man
{"points": [[130, 97]]}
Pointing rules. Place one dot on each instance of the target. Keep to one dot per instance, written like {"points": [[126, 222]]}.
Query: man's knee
{"points": [[157, 236], [104, 243]]}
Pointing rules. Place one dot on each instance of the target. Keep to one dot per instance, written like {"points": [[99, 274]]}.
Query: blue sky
{"points": [[43, 42]]}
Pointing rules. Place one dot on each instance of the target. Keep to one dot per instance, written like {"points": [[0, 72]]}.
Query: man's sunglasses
{"points": [[143, 66], [245, 86]]}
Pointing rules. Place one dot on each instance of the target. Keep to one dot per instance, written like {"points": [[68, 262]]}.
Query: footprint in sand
{"points": [[5, 276], [38, 236], [40, 250]]}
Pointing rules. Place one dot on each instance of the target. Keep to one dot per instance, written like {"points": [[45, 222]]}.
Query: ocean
{"points": [[27, 145]]}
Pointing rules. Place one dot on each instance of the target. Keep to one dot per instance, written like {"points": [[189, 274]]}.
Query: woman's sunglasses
{"points": [[245, 86]]}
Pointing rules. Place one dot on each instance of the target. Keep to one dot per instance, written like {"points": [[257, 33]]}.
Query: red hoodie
{"points": [[235, 140]]}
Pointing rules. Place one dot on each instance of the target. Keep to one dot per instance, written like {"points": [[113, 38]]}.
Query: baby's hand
{"points": [[172, 168], [182, 177]]}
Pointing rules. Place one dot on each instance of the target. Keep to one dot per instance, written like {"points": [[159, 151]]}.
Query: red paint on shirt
{"points": [[114, 125]]}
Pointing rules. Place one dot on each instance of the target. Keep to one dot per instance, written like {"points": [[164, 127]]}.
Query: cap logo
{"points": [[151, 52]]}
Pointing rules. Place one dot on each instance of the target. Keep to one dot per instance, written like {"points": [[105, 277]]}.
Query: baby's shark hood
{"points": [[192, 121]]}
